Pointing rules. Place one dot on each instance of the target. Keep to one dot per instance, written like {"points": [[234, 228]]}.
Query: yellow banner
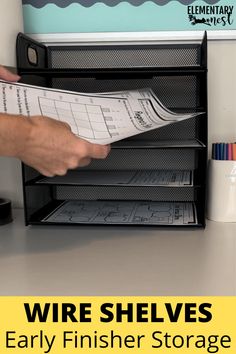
{"points": [[147, 325]]}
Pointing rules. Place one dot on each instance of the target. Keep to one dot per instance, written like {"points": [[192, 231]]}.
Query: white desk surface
{"points": [[45, 260]]}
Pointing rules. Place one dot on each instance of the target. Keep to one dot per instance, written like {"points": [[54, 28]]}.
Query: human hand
{"points": [[7, 75], [51, 148]]}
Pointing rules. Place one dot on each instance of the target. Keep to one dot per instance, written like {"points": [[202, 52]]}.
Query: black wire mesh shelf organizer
{"points": [[156, 178]]}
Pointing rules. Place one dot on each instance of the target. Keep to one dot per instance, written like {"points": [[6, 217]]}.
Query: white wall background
{"points": [[222, 112], [11, 22]]}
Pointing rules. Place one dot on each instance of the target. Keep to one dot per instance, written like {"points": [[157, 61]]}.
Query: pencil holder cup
{"points": [[221, 201]]}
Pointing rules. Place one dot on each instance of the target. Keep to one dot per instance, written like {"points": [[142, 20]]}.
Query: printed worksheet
{"points": [[164, 178], [124, 212], [98, 118], [150, 95]]}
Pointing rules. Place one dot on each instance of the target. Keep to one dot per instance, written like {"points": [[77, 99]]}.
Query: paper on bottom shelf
{"points": [[124, 212]]}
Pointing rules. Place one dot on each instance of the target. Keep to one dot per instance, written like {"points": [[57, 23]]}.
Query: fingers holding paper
{"points": [[52, 149], [7, 75]]}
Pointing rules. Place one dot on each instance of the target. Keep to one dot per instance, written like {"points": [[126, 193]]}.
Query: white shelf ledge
{"points": [[129, 37]]}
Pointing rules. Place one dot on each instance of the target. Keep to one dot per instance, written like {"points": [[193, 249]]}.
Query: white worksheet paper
{"points": [[124, 212], [164, 178], [98, 118]]}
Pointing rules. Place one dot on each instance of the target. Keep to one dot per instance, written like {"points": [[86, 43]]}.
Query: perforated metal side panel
{"points": [[128, 193], [124, 56]]}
